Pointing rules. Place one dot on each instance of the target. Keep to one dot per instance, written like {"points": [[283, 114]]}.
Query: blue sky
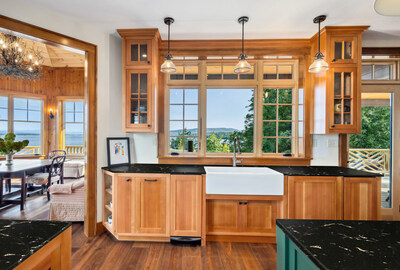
{"points": [[226, 108]]}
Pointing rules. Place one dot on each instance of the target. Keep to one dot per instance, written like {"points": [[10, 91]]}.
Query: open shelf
{"points": [[108, 207], [109, 191]]}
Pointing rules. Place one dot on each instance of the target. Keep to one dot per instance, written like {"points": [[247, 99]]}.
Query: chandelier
{"points": [[17, 61]]}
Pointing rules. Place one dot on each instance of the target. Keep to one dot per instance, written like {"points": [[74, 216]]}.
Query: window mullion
{"points": [[203, 107]]}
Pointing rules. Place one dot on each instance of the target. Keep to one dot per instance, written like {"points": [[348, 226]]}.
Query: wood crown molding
{"points": [[340, 29], [139, 33]]}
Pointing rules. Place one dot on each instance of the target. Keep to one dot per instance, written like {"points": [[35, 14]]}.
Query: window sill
{"points": [[224, 160]]}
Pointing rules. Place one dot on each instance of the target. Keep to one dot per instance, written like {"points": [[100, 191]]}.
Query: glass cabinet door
{"points": [[138, 52], [343, 50], [138, 97], [343, 111]]}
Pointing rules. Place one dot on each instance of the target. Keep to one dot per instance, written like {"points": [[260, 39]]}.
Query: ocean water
{"points": [[34, 139]]}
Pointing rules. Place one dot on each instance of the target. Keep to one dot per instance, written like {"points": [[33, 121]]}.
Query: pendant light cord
{"points": [[319, 37], [242, 38], [169, 24]]}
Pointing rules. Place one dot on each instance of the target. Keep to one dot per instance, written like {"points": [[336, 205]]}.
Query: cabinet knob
{"points": [[240, 203], [148, 125], [148, 62], [332, 126], [245, 203], [127, 180], [334, 60]]}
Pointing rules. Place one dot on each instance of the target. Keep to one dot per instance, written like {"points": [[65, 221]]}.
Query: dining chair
{"points": [[46, 179], [56, 153]]}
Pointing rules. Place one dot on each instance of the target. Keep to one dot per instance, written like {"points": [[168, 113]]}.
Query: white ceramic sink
{"points": [[243, 181]]}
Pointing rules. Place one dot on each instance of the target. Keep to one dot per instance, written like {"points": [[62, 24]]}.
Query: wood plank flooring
{"points": [[105, 252]]}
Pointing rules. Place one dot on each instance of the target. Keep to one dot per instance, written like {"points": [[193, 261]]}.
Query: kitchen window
{"points": [[72, 138], [263, 108]]}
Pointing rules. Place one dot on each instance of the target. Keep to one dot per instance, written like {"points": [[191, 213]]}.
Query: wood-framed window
{"points": [[72, 126], [203, 113], [24, 116], [379, 69]]}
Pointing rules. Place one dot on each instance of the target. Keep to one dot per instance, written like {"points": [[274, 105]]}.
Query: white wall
{"points": [[325, 150]]}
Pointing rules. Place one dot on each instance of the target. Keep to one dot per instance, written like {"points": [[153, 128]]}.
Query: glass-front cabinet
{"points": [[343, 99], [138, 97], [343, 50], [140, 79], [138, 52]]}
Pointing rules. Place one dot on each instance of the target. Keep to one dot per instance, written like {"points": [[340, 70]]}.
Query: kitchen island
{"points": [[332, 244], [31, 244]]}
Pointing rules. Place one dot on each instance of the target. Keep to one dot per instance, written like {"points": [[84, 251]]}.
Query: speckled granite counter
{"points": [[199, 169], [334, 244], [19, 239]]}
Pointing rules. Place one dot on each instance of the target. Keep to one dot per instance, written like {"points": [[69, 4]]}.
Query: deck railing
{"points": [[35, 150], [371, 160], [74, 150], [30, 150]]}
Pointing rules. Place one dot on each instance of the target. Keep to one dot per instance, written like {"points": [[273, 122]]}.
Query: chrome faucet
{"points": [[235, 160]]}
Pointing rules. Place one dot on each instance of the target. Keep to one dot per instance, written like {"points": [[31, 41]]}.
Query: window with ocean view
{"points": [[27, 123], [3, 116], [74, 126]]}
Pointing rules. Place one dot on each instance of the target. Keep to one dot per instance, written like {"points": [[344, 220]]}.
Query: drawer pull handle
{"points": [[150, 180]]}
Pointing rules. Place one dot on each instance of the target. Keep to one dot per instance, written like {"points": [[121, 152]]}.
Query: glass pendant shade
{"points": [[243, 66], [168, 66], [318, 65]]}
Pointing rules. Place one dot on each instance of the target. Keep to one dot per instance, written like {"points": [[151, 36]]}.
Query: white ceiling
{"points": [[217, 19]]}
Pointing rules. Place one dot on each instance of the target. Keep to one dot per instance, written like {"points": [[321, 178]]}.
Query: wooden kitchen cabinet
{"points": [[140, 79], [186, 195], [138, 52], [152, 205], [337, 91], [243, 217], [223, 217], [139, 99], [125, 204], [362, 198], [344, 100], [315, 197]]}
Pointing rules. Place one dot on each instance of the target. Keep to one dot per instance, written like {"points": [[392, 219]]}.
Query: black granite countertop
{"points": [[344, 244], [19, 239], [199, 169]]}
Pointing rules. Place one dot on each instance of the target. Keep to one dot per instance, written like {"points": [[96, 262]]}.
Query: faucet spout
{"points": [[236, 143]]}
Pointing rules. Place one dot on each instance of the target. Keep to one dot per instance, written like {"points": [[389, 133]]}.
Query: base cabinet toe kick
{"points": [[176, 207]]}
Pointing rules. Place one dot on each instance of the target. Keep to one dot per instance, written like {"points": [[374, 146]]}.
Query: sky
{"points": [[226, 108]]}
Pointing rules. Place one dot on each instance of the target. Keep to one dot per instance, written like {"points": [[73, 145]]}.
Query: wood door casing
{"points": [[315, 197], [152, 201], [223, 216], [186, 192], [124, 205], [362, 198]]}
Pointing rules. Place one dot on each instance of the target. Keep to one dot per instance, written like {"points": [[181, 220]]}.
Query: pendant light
{"points": [[319, 63], [243, 66], [168, 66]]}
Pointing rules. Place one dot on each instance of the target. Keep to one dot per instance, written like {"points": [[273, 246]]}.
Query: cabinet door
{"points": [[362, 198], [138, 100], [186, 205], [138, 52], [344, 96], [124, 205], [315, 197], [151, 205], [223, 217], [259, 217], [343, 50]]}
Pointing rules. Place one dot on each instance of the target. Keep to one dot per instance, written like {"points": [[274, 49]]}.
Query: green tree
{"points": [[216, 145], [375, 129]]}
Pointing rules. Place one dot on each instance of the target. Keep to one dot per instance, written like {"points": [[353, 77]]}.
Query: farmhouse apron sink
{"points": [[243, 181]]}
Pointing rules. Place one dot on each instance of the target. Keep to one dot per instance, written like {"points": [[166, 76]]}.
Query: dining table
{"points": [[19, 170]]}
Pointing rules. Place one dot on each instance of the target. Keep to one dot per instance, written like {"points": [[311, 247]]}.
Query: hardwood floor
{"points": [[105, 252]]}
